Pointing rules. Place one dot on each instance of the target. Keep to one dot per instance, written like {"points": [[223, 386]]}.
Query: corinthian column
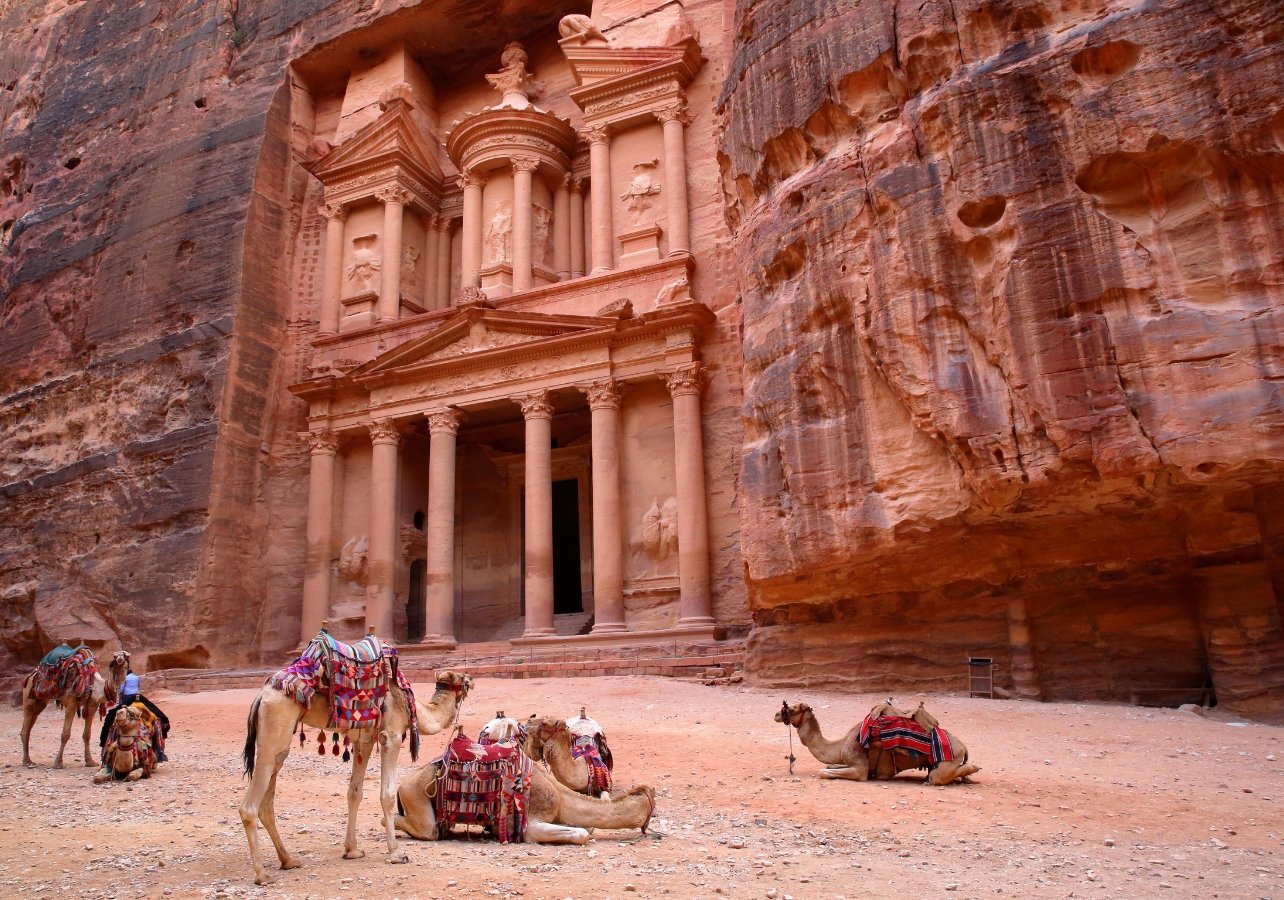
{"points": [[577, 227], [538, 413], [675, 120], [600, 175], [522, 169], [693, 518], [440, 575], [431, 261], [562, 229], [608, 553], [324, 448], [332, 283], [394, 205], [470, 264], [380, 570]]}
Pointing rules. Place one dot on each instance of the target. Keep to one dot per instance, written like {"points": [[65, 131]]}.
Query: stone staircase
{"points": [[565, 623]]}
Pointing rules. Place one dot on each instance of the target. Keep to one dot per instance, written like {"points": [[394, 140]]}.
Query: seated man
{"points": [[130, 692]]}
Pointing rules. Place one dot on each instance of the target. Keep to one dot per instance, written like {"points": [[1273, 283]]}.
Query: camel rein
{"points": [[789, 727]]}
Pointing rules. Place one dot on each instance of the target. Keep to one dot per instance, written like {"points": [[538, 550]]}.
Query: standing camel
{"points": [[550, 740], [848, 758], [86, 702], [276, 715], [555, 813]]}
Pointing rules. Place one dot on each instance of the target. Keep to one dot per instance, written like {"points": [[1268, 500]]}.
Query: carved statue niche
{"points": [[641, 189], [353, 558], [363, 271], [541, 220], [656, 549], [499, 236]]}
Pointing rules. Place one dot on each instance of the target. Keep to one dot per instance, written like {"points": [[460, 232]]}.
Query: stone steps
{"points": [[497, 659]]}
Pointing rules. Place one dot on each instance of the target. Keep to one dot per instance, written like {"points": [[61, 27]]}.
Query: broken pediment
{"points": [[392, 142], [477, 331]]}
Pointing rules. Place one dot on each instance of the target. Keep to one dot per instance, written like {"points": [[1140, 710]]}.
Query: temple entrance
{"points": [[568, 596], [415, 602]]}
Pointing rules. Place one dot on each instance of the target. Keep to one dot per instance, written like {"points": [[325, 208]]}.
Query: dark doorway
{"points": [[567, 596], [415, 603]]}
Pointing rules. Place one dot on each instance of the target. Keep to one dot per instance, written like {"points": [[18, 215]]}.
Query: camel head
{"points": [[128, 725], [456, 682], [543, 731], [119, 666], [795, 715]]}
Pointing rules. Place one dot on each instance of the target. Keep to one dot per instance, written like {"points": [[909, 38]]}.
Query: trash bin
{"points": [[980, 677]]}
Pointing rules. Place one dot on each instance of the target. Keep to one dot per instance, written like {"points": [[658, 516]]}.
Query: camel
{"points": [[101, 692], [555, 813], [129, 754], [847, 758], [549, 741], [275, 716]]}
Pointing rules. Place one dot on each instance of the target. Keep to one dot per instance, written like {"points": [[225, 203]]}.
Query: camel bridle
{"points": [[787, 716]]}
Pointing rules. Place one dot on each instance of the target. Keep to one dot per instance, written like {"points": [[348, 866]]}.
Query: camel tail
{"points": [[251, 736]]}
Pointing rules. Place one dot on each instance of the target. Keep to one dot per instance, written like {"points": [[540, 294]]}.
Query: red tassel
{"points": [[300, 737], [321, 749]]}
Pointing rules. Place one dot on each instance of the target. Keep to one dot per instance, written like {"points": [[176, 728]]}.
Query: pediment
{"points": [[593, 66], [394, 139], [476, 332]]}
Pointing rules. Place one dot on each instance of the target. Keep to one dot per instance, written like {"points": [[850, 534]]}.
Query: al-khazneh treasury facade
{"points": [[516, 344]]}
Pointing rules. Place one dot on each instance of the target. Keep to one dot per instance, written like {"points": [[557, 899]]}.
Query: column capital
{"points": [[384, 431], [604, 394], [444, 421], [535, 405], [471, 179], [575, 183], [395, 195], [442, 224], [595, 134], [524, 164], [429, 220], [687, 379], [675, 112], [321, 442], [333, 211]]}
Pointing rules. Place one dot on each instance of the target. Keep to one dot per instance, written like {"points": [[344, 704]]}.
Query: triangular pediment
{"points": [[476, 332], [393, 140]]}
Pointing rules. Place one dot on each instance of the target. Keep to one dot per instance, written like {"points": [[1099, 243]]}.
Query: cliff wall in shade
{"points": [[1012, 279]]}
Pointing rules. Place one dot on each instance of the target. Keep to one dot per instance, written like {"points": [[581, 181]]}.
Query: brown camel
{"points": [[274, 718], [129, 754], [549, 740], [846, 758], [556, 814], [102, 692]]}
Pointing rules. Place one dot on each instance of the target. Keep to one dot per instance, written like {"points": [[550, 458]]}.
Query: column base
{"points": [[695, 622], [609, 628], [539, 632], [438, 642], [601, 270]]}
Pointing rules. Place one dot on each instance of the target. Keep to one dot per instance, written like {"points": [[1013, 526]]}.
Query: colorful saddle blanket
{"points": [[903, 733], [484, 785], [65, 671], [354, 679], [587, 748], [144, 746]]}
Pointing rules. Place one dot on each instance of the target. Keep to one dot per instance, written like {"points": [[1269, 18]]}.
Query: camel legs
{"points": [[89, 727], [389, 749], [547, 833], [361, 748], [31, 710], [948, 772], [849, 773], [267, 815], [418, 820], [264, 777], [68, 718]]}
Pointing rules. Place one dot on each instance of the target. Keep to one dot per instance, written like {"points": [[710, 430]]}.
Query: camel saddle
{"points": [[592, 748], [483, 784], [918, 734], [65, 671], [144, 744], [352, 677]]}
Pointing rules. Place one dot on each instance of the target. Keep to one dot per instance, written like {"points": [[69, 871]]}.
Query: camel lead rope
{"points": [[784, 717]]}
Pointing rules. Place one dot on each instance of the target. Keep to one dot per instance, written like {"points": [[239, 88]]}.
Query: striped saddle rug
{"points": [[483, 784], [590, 749], [65, 671], [901, 732]]}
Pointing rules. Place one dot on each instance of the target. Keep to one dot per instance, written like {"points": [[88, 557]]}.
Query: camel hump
{"points": [[925, 718], [887, 709]]}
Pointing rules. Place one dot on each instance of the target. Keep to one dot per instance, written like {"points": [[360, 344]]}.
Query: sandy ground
{"points": [[1072, 801]]}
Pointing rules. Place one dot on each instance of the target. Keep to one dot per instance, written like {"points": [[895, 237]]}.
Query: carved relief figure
{"points": [[580, 27], [641, 189], [499, 236], [513, 81], [363, 271], [541, 220], [352, 559], [655, 550], [674, 292]]}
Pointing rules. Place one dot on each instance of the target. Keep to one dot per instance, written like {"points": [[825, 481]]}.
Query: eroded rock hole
{"points": [[71, 163], [983, 213], [199, 102], [1109, 60]]}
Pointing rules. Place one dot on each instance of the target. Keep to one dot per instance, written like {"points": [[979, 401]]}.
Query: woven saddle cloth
{"points": [[65, 671], [353, 677], [483, 784]]}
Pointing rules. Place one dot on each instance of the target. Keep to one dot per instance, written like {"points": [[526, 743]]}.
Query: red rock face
{"points": [[1012, 293]]}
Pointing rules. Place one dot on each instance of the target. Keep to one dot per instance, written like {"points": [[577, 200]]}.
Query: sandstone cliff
{"points": [[1012, 277]]}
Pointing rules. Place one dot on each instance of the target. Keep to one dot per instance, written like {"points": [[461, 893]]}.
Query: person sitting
{"points": [[130, 693]]}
